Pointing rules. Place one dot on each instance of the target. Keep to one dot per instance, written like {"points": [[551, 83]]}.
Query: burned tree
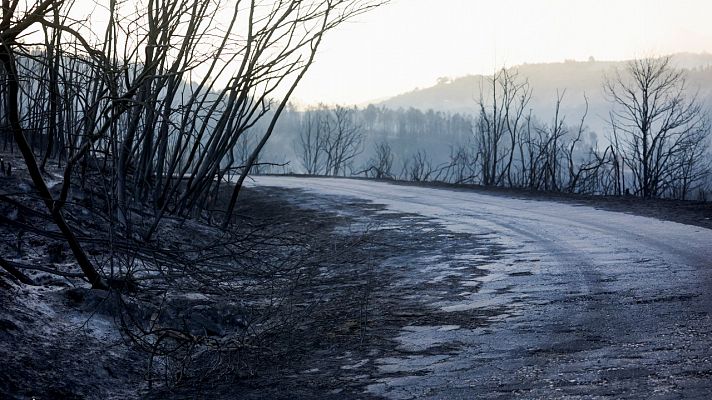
{"points": [[380, 165], [329, 140], [344, 142], [155, 101], [312, 140], [128, 132], [656, 125], [502, 104]]}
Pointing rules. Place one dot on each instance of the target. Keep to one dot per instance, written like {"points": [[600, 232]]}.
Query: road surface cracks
{"points": [[509, 298]]}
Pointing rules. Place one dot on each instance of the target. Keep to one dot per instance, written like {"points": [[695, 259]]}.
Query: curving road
{"points": [[593, 304]]}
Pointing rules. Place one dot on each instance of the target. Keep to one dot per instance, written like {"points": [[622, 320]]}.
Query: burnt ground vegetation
{"points": [[286, 304]]}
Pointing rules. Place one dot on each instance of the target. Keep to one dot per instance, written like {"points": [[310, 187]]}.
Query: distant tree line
{"points": [[657, 143]]}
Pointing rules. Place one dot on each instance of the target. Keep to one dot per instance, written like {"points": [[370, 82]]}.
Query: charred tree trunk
{"points": [[55, 208]]}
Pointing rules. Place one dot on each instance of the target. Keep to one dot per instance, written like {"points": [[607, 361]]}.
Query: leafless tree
{"points": [[419, 168], [584, 166], [344, 141], [13, 25], [502, 104], [658, 126], [462, 167], [692, 165], [312, 140], [125, 100], [380, 165], [553, 135], [329, 140]]}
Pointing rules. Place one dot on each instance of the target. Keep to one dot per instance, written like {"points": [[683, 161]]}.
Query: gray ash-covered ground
{"points": [[410, 261], [566, 301]]}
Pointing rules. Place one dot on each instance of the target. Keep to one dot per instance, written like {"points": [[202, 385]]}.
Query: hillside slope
{"points": [[576, 78]]}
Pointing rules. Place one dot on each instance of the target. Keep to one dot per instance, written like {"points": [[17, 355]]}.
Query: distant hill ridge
{"points": [[576, 77]]}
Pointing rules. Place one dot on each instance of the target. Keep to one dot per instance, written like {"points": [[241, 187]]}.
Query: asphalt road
{"points": [[591, 303]]}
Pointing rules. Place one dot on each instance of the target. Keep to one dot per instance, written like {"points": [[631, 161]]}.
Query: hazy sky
{"points": [[410, 43]]}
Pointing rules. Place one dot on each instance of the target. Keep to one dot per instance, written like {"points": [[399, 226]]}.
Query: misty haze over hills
{"points": [[575, 77], [438, 118]]}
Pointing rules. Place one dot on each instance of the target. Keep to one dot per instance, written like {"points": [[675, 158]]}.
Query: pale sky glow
{"points": [[410, 43]]}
